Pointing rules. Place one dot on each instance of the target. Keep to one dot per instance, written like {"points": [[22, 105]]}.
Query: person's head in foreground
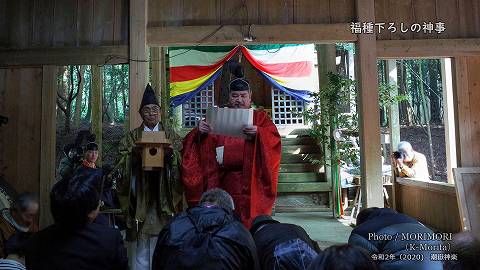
{"points": [[25, 209], [76, 202], [217, 197], [150, 108], [282, 245], [365, 215], [260, 221], [343, 257], [467, 248], [406, 149]]}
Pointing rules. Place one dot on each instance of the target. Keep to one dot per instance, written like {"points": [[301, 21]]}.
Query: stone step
{"points": [[301, 149], [299, 141], [304, 187], [300, 177], [291, 209], [299, 167], [288, 158]]}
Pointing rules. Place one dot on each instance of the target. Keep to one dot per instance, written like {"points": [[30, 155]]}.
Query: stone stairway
{"points": [[302, 185]]}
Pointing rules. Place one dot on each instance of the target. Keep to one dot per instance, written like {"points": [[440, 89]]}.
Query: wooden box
{"points": [[153, 152]]}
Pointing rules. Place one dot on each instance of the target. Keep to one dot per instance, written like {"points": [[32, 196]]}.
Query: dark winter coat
{"points": [[92, 247], [205, 238], [284, 247], [385, 223], [108, 196]]}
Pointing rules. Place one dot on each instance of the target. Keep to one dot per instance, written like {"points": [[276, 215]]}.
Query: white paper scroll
{"points": [[229, 122]]}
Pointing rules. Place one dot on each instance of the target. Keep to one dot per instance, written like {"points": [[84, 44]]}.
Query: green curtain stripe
{"points": [[271, 46], [172, 50]]}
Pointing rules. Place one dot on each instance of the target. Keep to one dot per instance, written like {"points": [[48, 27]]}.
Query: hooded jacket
{"points": [[388, 232], [205, 238]]}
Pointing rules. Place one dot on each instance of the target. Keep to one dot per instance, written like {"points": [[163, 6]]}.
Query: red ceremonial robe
{"points": [[249, 171]]}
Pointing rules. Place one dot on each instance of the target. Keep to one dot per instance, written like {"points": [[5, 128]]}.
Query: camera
{"points": [[398, 155]]}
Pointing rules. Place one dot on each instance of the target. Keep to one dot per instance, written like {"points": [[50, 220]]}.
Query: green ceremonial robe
{"points": [[151, 197]]}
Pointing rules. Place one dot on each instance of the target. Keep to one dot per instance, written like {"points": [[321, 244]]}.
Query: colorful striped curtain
{"points": [[192, 69], [288, 67]]}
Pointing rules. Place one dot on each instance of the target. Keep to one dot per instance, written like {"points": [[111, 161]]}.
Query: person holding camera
{"points": [[410, 163], [71, 160]]}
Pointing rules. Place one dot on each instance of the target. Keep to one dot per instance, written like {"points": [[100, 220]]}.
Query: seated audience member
{"points": [[20, 218], [281, 245], [108, 197], [467, 249], [384, 231], [207, 236], [343, 257], [73, 241], [15, 248], [410, 163]]}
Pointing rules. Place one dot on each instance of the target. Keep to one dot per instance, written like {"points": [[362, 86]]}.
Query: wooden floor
{"points": [[321, 227]]}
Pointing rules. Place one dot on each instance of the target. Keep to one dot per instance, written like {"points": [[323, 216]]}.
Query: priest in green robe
{"points": [[151, 197]]}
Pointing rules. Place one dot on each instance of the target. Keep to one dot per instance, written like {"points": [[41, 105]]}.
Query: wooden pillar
{"points": [[156, 72], [326, 63], [449, 117], [47, 143], [97, 108], [159, 78], [393, 117], [138, 59], [369, 113]]}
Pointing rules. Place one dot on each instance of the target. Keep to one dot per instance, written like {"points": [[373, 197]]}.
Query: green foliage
{"points": [[346, 46], [334, 107], [386, 96], [329, 110], [115, 91]]}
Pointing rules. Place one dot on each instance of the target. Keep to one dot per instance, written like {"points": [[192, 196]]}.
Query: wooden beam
{"points": [[369, 112], [427, 48], [239, 34], [97, 109], [47, 143], [65, 56], [138, 59]]}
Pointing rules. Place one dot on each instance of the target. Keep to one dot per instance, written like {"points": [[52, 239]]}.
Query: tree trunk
{"points": [[96, 96], [68, 102], [429, 132], [60, 92], [404, 114], [78, 99], [435, 95]]}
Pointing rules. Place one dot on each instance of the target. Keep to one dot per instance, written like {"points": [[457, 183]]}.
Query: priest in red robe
{"points": [[249, 167]]}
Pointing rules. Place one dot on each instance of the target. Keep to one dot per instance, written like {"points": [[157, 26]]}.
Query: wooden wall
{"points": [[468, 110], [432, 203], [74, 23], [461, 17], [228, 12], [63, 23], [20, 139]]}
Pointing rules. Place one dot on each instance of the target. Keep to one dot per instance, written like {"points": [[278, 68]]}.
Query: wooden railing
{"points": [[432, 203]]}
